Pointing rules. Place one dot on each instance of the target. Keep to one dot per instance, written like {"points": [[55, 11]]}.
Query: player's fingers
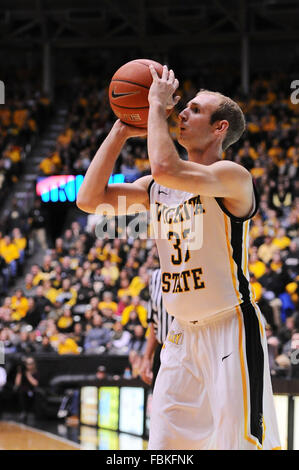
{"points": [[165, 72], [176, 99], [146, 377], [147, 380], [171, 76], [176, 84], [153, 72]]}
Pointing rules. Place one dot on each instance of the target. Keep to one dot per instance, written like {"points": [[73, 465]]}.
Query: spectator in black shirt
{"points": [[281, 198], [34, 314], [286, 331], [137, 342], [68, 239], [78, 334], [41, 302], [291, 260], [271, 281], [66, 269], [15, 217], [85, 292], [37, 222], [26, 383], [45, 347], [4, 275], [25, 346]]}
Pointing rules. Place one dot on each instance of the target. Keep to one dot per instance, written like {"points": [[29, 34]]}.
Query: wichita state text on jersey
{"points": [[203, 253]]}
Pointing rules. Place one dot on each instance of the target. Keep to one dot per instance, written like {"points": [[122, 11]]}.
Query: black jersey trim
{"points": [[255, 366], [236, 242], [241, 219], [150, 187]]}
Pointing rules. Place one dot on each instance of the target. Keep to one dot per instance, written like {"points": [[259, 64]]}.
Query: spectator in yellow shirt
{"points": [[38, 275], [138, 308], [20, 241], [19, 117], [254, 125], [110, 270], [256, 266], [19, 305], [65, 322], [67, 345], [13, 152], [65, 137], [258, 228], [139, 282], [276, 263], [49, 291], [51, 164], [67, 294], [256, 287], [124, 289], [247, 150], [10, 252], [8, 249], [266, 250], [47, 167], [107, 301], [5, 116], [269, 123], [281, 241]]}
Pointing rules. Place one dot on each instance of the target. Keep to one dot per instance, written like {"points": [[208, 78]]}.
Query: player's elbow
{"points": [[84, 205]]}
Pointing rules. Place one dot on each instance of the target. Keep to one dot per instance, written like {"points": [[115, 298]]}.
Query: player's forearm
{"points": [[151, 343], [161, 149], [96, 178]]}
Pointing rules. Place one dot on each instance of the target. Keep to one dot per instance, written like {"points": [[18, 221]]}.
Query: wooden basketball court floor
{"points": [[17, 436]]}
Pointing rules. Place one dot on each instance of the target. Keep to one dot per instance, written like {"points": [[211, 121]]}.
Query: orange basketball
{"points": [[128, 91]]}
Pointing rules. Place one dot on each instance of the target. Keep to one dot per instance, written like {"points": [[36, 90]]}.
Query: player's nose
{"points": [[183, 115]]}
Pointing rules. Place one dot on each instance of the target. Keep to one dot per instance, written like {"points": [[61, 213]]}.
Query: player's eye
{"points": [[195, 109]]}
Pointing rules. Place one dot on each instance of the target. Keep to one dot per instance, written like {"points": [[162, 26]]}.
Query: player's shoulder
{"points": [[228, 167], [144, 182]]}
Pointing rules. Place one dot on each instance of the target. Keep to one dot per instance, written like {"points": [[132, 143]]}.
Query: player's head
{"points": [[210, 116]]}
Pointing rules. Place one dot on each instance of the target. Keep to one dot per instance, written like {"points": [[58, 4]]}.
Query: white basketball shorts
{"points": [[213, 390]]}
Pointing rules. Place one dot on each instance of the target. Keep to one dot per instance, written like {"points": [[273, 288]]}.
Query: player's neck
{"points": [[207, 156]]}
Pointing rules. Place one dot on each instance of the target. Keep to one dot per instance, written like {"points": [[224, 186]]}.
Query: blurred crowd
{"points": [[90, 295], [22, 119]]}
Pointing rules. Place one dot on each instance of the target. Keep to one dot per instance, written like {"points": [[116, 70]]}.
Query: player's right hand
{"points": [[130, 131]]}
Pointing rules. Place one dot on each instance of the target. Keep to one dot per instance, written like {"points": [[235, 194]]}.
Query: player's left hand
{"points": [[145, 372], [163, 89]]}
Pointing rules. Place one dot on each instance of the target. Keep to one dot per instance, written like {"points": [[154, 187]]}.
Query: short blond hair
{"points": [[229, 110]]}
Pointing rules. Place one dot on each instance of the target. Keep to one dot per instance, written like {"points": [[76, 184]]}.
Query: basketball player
{"points": [[213, 389]]}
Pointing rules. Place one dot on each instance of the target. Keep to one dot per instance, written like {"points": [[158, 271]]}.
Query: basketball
{"points": [[128, 91]]}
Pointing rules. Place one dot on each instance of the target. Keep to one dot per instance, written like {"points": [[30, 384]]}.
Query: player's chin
{"points": [[181, 140]]}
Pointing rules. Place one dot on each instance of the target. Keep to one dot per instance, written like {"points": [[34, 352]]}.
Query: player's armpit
{"points": [[122, 199]]}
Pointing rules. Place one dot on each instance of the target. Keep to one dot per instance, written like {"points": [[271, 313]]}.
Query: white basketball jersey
{"points": [[203, 253]]}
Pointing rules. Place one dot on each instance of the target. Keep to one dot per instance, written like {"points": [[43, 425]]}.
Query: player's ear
{"points": [[220, 127]]}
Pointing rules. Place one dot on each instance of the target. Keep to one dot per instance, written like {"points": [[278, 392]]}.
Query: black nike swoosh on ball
{"points": [[120, 95], [162, 192], [224, 357]]}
